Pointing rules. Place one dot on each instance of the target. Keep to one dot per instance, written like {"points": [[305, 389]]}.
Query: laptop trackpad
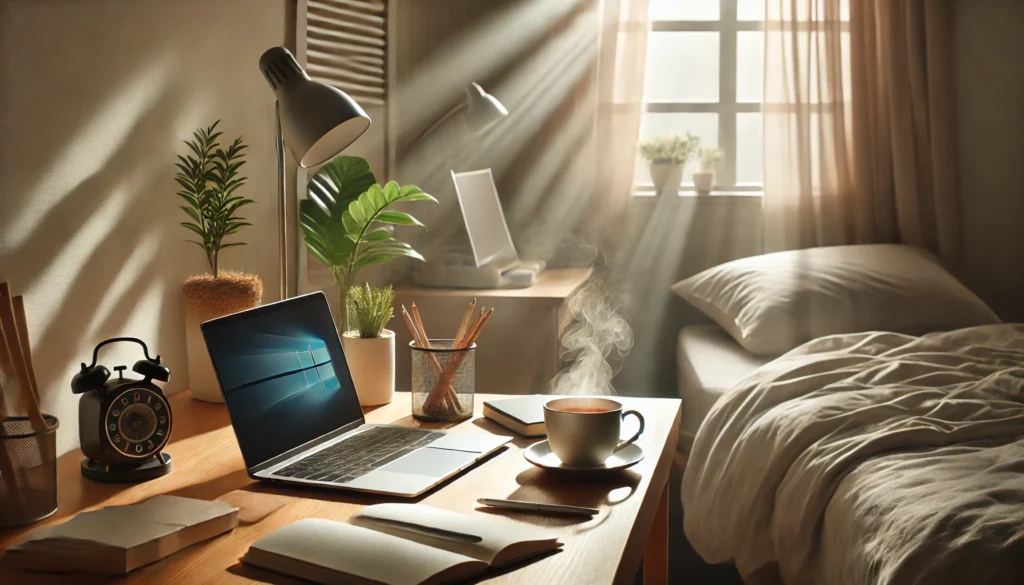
{"points": [[431, 462]]}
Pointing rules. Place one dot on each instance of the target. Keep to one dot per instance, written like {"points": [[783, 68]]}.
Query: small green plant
{"points": [[345, 222], [669, 149], [370, 308], [708, 155], [209, 178]]}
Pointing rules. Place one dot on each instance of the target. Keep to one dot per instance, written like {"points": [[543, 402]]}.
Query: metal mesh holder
{"points": [[452, 372], [28, 471]]}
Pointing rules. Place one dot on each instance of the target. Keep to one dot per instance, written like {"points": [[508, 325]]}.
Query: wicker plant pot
{"points": [[207, 298]]}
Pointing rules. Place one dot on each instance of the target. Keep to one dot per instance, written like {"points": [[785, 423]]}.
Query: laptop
{"points": [[295, 412], [485, 224]]}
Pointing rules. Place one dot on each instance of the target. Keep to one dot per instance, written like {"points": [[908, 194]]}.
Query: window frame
{"points": [[727, 26]]}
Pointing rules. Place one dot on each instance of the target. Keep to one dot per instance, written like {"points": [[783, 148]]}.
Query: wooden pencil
{"points": [[464, 325], [13, 349], [26, 345], [452, 367]]}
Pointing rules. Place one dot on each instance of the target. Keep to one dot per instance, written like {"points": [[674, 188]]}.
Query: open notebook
{"points": [[397, 544]]}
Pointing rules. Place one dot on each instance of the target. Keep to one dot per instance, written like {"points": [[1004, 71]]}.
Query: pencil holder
{"points": [[443, 381], [28, 471]]}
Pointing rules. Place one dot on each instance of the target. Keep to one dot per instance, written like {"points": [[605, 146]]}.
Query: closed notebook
{"points": [[118, 539], [523, 414], [397, 544]]}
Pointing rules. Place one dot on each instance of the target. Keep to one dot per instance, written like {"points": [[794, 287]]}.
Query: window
{"points": [[705, 69]]}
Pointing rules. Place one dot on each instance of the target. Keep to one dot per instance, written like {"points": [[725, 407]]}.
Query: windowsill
{"points": [[644, 195]]}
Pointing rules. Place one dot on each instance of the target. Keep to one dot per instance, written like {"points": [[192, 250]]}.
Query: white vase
{"points": [[371, 361], [703, 182], [667, 177]]}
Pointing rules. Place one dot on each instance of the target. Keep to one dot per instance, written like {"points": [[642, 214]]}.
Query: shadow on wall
{"points": [[89, 128], [539, 60]]}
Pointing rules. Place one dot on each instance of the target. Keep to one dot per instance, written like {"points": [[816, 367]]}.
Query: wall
{"points": [[989, 49], [538, 58], [95, 98]]}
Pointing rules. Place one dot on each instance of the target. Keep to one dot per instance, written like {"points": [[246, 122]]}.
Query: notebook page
{"points": [[496, 534], [351, 550]]}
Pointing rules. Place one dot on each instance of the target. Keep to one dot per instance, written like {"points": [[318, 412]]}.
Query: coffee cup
{"points": [[584, 431]]}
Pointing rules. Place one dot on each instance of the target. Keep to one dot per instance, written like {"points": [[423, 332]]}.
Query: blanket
{"points": [[870, 458]]}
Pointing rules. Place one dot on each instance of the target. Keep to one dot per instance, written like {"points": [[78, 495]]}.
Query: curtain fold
{"points": [[859, 124], [621, 65]]}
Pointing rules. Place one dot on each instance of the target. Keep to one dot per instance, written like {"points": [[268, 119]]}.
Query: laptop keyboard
{"points": [[359, 454]]}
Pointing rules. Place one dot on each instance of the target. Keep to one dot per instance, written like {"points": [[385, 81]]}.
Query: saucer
{"points": [[541, 455]]}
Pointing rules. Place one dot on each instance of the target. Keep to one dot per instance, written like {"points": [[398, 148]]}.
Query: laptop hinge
{"points": [[306, 446]]}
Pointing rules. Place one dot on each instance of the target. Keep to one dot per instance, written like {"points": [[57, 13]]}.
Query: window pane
{"points": [[704, 126], [749, 148], [682, 67], [683, 9], [749, 66], [750, 10]]}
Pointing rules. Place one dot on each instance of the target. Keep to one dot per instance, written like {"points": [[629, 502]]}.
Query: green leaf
{"points": [[371, 259], [397, 218], [378, 235]]}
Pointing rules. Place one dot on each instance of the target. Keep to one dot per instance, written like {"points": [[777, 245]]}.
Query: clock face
{"points": [[138, 422]]}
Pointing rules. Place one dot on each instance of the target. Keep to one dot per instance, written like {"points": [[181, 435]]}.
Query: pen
{"points": [[538, 507]]}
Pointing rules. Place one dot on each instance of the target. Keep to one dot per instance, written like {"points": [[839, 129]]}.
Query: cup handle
{"points": [[636, 435]]}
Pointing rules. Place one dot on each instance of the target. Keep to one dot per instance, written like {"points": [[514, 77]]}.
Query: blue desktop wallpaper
{"points": [[283, 375]]}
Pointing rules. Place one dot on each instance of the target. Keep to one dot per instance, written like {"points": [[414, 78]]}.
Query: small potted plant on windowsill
{"points": [[369, 347], [667, 155], [209, 179], [704, 180]]}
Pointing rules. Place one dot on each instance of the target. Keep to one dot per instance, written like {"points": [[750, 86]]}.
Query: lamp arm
{"points": [[282, 205], [437, 124]]}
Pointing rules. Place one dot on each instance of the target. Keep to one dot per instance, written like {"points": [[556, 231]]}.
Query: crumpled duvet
{"points": [[869, 458]]}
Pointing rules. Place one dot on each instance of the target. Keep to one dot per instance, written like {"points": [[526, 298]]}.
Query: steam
{"points": [[595, 345]]}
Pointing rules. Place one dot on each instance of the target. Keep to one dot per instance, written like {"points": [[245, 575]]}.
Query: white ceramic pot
{"points": [[667, 177], [703, 182], [371, 362]]}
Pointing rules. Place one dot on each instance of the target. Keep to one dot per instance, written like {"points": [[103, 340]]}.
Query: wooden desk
{"points": [[208, 465], [518, 353]]}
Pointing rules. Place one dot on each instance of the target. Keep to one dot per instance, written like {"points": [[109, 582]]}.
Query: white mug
{"points": [[584, 432]]}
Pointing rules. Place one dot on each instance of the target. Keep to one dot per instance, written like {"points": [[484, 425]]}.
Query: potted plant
{"points": [[704, 180], [667, 156], [369, 347], [209, 179], [346, 223]]}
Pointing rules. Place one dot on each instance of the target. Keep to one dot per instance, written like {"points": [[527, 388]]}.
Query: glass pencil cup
{"points": [[443, 381]]}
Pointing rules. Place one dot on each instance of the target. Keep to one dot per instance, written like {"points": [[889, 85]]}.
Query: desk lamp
{"points": [[482, 110], [315, 121]]}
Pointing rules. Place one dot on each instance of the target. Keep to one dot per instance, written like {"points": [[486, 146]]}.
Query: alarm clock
{"points": [[123, 423]]}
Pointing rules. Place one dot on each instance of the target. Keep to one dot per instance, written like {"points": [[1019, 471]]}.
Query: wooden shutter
{"points": [[346, 46]]}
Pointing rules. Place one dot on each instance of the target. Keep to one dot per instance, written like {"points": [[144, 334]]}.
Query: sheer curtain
{"points": [[858, 124], [620, 109]]}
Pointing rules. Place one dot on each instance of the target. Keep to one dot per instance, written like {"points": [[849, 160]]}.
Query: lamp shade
{"points": [[482, 108], [318, 120]]}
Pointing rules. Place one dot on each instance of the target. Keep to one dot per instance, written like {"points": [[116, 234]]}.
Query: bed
{"points": [[879, 441], [710, 362], [869, 458]]}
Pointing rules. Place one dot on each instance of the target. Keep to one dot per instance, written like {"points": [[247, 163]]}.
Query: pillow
{"points": [[775, 302]]}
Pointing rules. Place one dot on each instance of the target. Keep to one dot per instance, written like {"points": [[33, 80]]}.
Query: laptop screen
{"points": [[283, 375]]}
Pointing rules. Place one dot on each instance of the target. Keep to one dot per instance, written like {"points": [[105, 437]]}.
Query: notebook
{"points": [[118, 539], [397, 544], [523, 414]]}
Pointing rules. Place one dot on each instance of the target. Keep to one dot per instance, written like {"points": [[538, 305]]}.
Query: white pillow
{"points": [[775, 302]]}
